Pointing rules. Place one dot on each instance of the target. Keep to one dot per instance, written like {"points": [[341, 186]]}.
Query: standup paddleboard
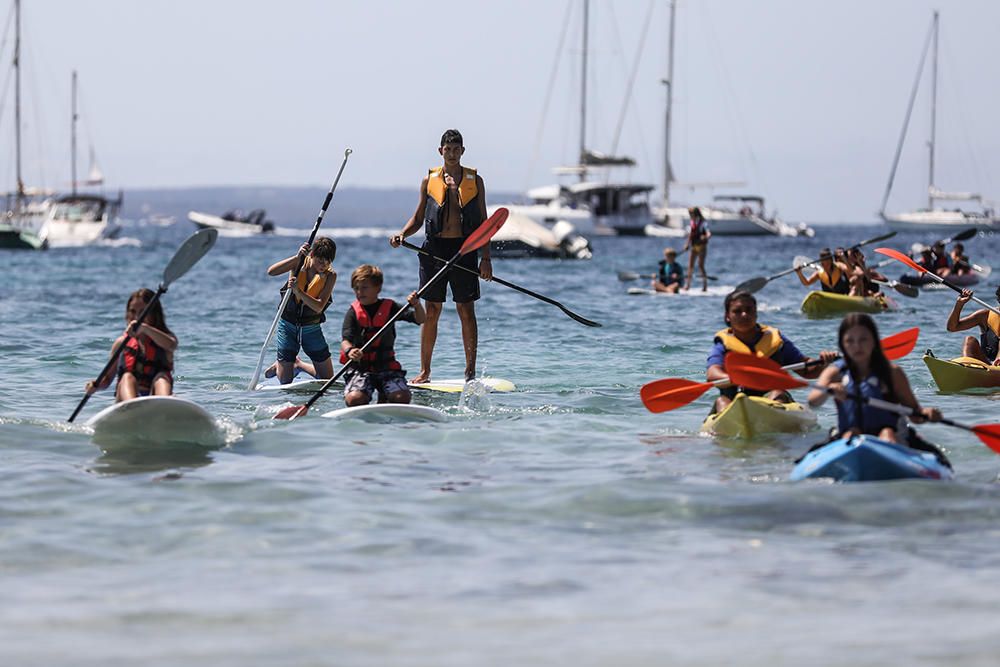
{"points": [[310, 385], [456, 386], [714, 290], [151, 421], [383, 412]]}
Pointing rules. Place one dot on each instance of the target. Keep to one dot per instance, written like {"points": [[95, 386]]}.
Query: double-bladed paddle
{"points": [[756, 284], [904, 289], [541, 297], [765, 375], [477, 239], [193, 249], [961, 236], [895, 254], [672, 393], [298, 267]]}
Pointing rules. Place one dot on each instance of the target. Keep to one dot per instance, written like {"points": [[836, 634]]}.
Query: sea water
{"points": [[561, 524]]}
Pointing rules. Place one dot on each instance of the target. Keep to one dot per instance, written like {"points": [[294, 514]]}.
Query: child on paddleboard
{"points": [[697, 243], [301, 324], [375, 369], [146, 361], [671, 273], [865, 370], [744, 334]]}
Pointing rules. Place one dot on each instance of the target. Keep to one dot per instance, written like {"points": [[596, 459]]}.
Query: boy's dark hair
{"points": [[451, 137], [367, 272], [324, 248], [737, 295]]}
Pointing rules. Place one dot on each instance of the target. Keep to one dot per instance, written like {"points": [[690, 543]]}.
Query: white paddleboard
{"points": [[155, 421], [456, 386], [714, 290], [310, 385], [383, 412]]}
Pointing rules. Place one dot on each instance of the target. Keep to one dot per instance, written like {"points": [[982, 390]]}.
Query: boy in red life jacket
{"points": [[375, 369], [147, 359]]}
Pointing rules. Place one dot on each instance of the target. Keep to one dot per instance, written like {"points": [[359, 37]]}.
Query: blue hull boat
{"points": [[867, 459]]}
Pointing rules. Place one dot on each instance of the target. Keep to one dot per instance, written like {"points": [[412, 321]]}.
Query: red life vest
{"points": [[144, 366], [376, 357]]}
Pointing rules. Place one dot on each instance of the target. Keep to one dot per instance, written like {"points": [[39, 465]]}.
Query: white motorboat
{"points": [[521, 236], [81, 219], [234, 223], [934, 218]]}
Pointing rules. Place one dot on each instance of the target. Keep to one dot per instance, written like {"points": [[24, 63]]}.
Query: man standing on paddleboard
{"points": [[452, 205]]}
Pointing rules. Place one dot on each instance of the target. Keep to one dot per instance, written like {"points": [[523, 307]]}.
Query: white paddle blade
{"points": [[801, 261], [189, 253]]}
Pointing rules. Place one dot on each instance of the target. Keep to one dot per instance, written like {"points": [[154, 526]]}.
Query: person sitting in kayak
{"points": [[987, 348], [833, 276], [865, 370], [146, 361], [960, 264], [941, 263], [744, 334], [375, 369], [301, 324], [862, 277], [697, 243], [671, 273]]}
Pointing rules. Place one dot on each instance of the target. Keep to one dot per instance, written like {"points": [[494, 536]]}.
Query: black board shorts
{"points": [[464, 285]]}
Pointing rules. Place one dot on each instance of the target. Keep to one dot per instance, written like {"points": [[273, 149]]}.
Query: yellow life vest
{"points": [[993, 322], [437, 194], [832, 280], [768, 345], [315, 286]]}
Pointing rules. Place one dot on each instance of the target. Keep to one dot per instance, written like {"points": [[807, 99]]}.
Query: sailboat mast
{"points": [[934, 75], [583, 90], [669, 83], [17, 99], [72, 144]]}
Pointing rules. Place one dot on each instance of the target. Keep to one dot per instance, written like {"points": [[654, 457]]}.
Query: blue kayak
{"points": [[865, 458]]}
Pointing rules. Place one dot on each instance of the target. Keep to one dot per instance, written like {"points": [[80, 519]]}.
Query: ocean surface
{"points": [[561, 524]]}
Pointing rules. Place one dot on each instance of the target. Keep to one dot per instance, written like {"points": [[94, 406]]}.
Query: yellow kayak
{"points": [[750, 416], [824, 304], [961, 373]]}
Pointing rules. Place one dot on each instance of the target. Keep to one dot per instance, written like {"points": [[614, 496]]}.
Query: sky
{"points": [[802, 101]]}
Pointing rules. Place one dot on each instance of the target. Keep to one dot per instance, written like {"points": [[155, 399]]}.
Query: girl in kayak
{"points": [[147, 358], [833, 275], [697, 243], [987, 348], [745, 335], [864, 370]]}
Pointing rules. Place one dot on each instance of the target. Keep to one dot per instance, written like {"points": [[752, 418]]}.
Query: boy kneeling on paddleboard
{"points": [[376, 369]]}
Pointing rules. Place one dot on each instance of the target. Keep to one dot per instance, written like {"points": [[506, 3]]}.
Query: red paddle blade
{"points": [[291, 412], [990, 435], [898, 345], [759, 373], [484, 232], [900, 257], [671, 393]]}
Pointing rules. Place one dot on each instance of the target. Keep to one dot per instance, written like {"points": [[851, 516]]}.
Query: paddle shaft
{"points": [[817, 261], [288, 292], [343, 369], [113, 359], [540, 297]]}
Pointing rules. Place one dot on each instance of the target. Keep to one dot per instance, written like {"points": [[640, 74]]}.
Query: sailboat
{"points": [[933, 218], [23, 219], [591, 205], [728, 214], [78, 218]]}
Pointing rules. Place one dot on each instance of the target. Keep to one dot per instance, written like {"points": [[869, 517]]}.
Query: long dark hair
{"points": [[155, 316], [880, 364]]}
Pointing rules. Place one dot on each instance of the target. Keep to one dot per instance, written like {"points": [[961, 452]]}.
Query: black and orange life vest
{"points": [[989, 341], [377, 357], [296, 311], [145, 364], [469, 213], [836, 281]]}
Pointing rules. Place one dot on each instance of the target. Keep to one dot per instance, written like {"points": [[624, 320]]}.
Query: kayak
{"points": [[865, 458], [455, 386], [825, 304], [750, 416], [924, 280], [154, 421], [383, 412], [961, 373]]}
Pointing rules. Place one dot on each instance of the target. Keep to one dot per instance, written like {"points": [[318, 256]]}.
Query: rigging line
{"points": [[548, 95], [979, 168], [906, 119], [631, 80]]}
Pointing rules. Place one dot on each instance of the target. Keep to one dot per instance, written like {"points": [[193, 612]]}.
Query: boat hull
{"points": [[962, 373], [750, 416], [867, 459]]}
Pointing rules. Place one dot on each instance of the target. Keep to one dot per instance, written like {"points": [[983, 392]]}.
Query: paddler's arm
{"points": [[826, 357], [829, 378], [165, 340], [105, 380], [348, 332], [901, 388], [316, 304], [486, 263], [414, 224], [289, 263], [958, 323], [806, 281], [419, 314], [715, 372]]}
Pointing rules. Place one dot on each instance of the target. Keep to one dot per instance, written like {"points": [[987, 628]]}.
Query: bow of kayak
{"points": [[865, 458], [961, 373], [750, 416], [829, 304]]}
